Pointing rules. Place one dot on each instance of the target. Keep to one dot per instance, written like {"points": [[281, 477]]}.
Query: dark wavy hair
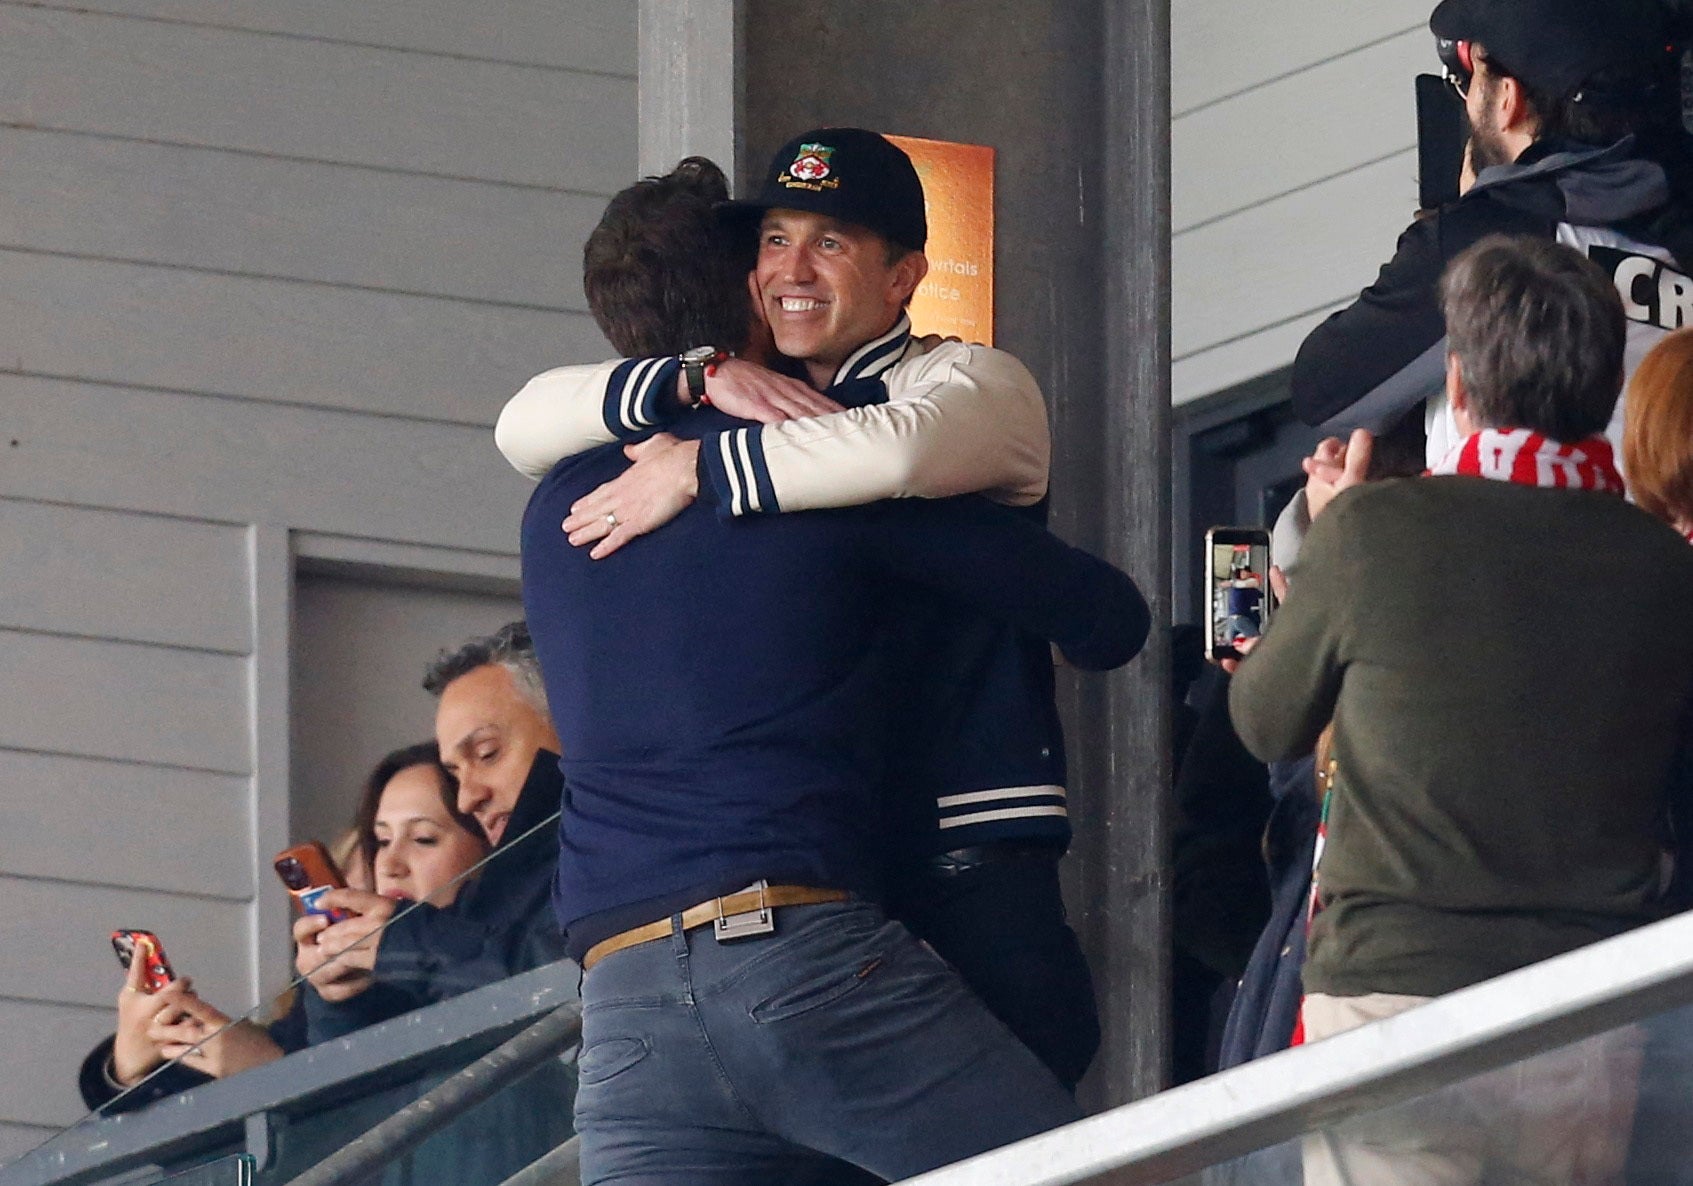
{"points": [[661, 271], [425, 753]]}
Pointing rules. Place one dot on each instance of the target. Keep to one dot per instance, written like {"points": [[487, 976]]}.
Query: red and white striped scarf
{"points": [[1532, 459]]}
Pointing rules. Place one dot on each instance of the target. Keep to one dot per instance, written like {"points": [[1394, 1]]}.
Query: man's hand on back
{"points": [[643, 498], [750, 392]]}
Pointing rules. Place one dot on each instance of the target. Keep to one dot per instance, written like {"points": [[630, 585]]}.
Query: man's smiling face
{"points": [[826, 287]]}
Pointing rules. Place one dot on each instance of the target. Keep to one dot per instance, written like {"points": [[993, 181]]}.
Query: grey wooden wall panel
{"points": [[1318, 123], [101, 699], [359, 654], [47, 1043], [18, 1139], [1234, 362], [1222, 47], [341, 224], [183, 583], [250, 462], [277, 340], [149, 827], [1289, 257], [596, 35], [205, 938], [313, 99]]}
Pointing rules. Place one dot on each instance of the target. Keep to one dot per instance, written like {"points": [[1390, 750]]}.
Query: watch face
{"points": [[700, 354]]}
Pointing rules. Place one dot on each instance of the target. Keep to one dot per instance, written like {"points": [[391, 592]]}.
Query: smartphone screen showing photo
{"points": [[1239, 577]]}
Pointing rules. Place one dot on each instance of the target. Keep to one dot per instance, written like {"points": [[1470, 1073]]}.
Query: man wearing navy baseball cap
{"points": [[1572, 107], [980, 818]]}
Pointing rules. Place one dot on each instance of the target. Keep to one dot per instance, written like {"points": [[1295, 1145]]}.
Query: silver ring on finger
{"points": [[611, 519]]}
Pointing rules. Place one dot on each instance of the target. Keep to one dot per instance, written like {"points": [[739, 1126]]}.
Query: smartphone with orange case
{"points": [[309, 873]]}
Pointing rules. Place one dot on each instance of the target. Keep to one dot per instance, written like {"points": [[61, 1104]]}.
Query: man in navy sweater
{"points": [[721, 697], [979, 770]]}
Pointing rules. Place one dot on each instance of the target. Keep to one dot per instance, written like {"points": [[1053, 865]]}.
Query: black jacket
{"points": [[500, 924], [1381, 356]]}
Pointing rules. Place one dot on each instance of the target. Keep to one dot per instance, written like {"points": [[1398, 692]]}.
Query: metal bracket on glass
{"points": [[264, 1138]]}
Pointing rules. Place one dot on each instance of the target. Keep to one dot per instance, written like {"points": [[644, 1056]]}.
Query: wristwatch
{"points": [[694, 363]]}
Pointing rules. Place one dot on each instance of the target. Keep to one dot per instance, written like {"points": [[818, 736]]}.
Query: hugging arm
{"points": [[1006, 566]]}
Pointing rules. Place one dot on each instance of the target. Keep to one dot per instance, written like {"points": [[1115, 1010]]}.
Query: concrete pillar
{"points": [[1074, 95], [689, 65]]}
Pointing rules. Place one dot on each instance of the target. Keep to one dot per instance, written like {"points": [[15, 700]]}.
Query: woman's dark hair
{"points": [[425, 753], [661, 271]]}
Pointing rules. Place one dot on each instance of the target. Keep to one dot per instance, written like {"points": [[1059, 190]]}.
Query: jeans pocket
{"points": [[814, 993], [606, 1059]]}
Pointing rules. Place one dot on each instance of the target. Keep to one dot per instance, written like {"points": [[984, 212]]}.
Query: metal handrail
{"points": [[1531, 1011], [446, 1035], [446, 1102]]}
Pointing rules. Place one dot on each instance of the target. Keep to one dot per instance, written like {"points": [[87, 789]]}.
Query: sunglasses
{"points": [[1460, 59]]}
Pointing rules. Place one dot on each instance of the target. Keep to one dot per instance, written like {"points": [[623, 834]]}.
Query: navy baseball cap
{"points": [[1556, 45], [847, 174]]}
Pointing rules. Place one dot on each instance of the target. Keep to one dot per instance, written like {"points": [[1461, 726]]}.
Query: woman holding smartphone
{"points": [[408, 842]]}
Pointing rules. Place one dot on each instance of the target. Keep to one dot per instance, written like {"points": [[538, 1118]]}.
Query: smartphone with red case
{"points": [[309, 872], [131, 945]]}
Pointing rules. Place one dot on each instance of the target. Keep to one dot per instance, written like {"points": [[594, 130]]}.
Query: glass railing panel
{"points": [[291, 1114], [1614, 1109], [486, 1145]]}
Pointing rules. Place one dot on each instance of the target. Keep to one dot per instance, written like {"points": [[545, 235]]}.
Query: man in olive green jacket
{"points": [[1498, 645]]}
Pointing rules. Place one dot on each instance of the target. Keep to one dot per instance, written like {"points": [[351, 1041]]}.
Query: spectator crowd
{"points": [[785, 679]]}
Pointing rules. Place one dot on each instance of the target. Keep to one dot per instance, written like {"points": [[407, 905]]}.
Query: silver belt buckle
{"points": [[747, 924]]}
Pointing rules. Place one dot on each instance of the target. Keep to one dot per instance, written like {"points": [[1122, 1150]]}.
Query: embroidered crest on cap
{"points": [[812, 163]]}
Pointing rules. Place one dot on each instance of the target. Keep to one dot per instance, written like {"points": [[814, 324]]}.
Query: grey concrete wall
{"points": [[268, 269], [1030, 80]]}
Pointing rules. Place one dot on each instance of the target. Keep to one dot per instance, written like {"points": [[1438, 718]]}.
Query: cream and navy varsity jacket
{"points": [[977, 731]]}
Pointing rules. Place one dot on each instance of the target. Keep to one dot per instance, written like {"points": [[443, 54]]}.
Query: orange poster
{"points": [[956, 298]]}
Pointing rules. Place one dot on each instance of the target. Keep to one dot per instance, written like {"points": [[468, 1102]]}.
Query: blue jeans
{"points": [[840, 1034]]}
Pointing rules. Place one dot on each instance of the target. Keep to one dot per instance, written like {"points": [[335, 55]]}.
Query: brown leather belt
{"points": [[717, 910]]}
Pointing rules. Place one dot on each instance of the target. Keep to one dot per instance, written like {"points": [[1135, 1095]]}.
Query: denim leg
{"points": [[653, 1106], [846, 1035]]}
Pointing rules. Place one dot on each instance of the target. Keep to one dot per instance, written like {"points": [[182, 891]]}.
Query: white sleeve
{"points": [[567, 410], [961, 419]]}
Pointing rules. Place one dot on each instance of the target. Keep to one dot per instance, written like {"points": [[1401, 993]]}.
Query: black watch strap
{"points": [[694, 363], [694, 371]]}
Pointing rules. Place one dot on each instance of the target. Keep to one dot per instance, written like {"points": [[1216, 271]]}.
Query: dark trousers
{"points": [[1002, 925]]}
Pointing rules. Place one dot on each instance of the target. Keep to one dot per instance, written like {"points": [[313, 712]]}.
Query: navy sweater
{"points": [[718, 689], [978, 749]]}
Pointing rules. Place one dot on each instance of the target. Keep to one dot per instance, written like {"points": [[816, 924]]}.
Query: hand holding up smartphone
{"points": [[1238, 592]]}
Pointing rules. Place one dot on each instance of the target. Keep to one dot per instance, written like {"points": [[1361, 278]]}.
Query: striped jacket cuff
{"points": [[640, 396], [1000, 805], [736, 478]]}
